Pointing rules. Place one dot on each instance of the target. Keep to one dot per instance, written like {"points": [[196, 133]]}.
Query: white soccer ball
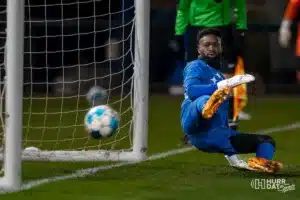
{"points": [[101, 122], [95, 95]]}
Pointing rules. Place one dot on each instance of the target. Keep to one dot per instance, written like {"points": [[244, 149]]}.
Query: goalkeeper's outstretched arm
{"points": [[194, 87]]}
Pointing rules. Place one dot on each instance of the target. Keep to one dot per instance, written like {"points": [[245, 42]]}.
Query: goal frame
{"points": [[13, 153]]}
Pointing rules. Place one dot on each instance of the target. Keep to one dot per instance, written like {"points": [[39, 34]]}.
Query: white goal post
{"points": [[14, 153]]}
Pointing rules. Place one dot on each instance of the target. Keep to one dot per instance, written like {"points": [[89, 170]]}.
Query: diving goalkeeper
{"points": [[204, 111]]}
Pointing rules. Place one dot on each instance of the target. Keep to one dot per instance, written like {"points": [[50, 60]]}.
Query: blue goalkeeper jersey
{"points": [[200, 81]]}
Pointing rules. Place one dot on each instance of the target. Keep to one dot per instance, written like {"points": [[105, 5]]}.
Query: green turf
{"points": [[192, 175]]}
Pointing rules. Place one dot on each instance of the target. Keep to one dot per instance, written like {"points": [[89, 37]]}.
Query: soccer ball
{"points": [[101, 121], [95, 95]]}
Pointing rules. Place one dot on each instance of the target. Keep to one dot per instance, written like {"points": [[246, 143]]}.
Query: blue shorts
{"points": [[215, 141]]}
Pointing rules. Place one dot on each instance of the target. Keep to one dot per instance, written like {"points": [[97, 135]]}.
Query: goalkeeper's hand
{"points": [[236, 80]]}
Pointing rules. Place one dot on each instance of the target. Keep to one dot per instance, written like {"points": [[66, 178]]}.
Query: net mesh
{"points": [[70, 46]]}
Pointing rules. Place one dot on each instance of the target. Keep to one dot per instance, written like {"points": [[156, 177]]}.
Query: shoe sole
{"points": [[276, 166], [261, 168], [270, 167], [214, 102]]}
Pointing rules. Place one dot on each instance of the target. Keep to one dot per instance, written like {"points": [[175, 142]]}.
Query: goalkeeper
{"points": [[204, 111], [194, 15]]}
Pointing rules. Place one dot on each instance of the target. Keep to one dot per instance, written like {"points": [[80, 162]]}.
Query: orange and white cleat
{"points": [[211, 106], [263, 165]]}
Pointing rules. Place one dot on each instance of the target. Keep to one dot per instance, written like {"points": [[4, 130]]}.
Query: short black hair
{"points": [[208, 31]]}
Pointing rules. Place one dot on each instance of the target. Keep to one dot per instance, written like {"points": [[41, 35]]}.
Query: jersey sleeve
{"points": [[241, 14], [193, 84], [292, 10], [182, 16]]}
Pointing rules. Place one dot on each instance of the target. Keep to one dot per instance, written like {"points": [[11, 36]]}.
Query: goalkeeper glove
{"points": [[236, 80]]}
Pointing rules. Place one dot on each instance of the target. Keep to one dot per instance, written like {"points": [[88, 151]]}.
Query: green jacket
{"points": [[209, 13]]}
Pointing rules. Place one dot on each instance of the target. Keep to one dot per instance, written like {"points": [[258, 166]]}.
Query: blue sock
{"points": [[266, 151]]}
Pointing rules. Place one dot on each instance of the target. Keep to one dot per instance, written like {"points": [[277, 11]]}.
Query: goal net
{"points": [[70, 46]]}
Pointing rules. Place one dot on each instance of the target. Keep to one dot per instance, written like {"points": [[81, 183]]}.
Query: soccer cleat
{"points": [[268, 166], [238, 163], [214, 102]]}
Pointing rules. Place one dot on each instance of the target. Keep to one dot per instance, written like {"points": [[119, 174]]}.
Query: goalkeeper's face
{"points": [[209, 47]]}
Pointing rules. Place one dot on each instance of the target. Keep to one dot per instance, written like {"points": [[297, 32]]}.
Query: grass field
{"points": [[191, 175]]}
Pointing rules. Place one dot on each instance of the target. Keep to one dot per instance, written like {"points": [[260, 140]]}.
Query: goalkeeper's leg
{"points": [[191, 114], [201, 109], [229, 142], [263, 145], [212, 105]]}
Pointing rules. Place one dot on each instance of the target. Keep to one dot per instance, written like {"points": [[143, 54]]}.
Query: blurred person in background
{"points": [[291, 15], [194, 15]]}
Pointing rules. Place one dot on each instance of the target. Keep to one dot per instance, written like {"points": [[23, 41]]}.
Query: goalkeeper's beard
{"points": [[213, 62]]}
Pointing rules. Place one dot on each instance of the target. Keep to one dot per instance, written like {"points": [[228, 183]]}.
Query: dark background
{"points": [[76, 32]]}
